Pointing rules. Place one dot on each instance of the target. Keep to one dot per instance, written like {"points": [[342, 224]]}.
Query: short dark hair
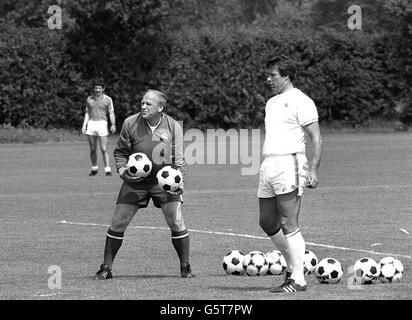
{"points": [[285, 65], [98, 82]]}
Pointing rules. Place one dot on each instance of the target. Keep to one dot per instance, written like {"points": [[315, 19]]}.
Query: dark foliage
{"points": [[213, 71]]}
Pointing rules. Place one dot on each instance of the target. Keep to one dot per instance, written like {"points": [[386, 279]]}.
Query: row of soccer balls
{"points": [[328, 270], [140, 166]]}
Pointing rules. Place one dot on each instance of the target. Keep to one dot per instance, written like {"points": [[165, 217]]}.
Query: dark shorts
{"points": [[140, 197]]}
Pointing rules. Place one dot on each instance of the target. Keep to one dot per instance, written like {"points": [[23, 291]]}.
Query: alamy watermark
{"points": [[355, 20], [351, 281], [243, 145], [213, 146], [55, 280], [55, 19]]}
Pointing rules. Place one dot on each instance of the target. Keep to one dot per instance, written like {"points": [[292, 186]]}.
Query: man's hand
{"points": [[84, 128], [177, 192], [113, 128], [312, 179], [126, 177]]}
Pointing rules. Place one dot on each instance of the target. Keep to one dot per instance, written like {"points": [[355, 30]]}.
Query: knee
{"points": [[176, 224], [289, 226], [173, 216], [119, 224]]}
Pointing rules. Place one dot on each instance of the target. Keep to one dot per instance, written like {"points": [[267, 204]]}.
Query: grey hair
{"points": [[162, 97]]}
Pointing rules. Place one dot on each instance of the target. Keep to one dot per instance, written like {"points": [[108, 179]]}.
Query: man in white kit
{"points": [[95, 124], [284, 172]]}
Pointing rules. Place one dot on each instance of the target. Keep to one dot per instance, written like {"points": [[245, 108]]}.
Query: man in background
{"points": [[95, 125]]}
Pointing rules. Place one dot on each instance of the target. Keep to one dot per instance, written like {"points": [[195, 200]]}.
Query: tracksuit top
{"points": [[163, 146]]}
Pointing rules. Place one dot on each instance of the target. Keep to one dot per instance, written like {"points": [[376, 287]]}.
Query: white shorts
{"points": [[97, 128], [282, 174]]}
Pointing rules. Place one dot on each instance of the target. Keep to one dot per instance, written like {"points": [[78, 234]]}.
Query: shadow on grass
{"points": [[236, 288], [139, 276]]}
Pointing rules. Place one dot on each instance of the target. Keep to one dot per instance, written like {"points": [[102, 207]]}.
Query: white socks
{"points": [[296, 246], [280, 242], [106, 169]]}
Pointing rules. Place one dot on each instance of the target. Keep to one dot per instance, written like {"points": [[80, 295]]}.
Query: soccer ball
{"points": [[169, 179], [309, 262], [365, 271], [391, 270], [255, 264], [328, 270], [233, 262], [276, 262], [139, 165]]}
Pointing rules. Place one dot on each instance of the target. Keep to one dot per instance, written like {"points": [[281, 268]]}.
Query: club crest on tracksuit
{"points": [[163, 135]]}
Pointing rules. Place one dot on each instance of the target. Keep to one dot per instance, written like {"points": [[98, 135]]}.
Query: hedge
{"points": [[217, 78], [39, 85], [213, 77]]}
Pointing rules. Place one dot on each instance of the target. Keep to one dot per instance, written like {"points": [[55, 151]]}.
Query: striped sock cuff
{"points": [[292, 233], [115, 235], [180, 234]]}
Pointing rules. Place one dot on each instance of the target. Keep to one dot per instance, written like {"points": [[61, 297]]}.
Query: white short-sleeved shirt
{"points": [[286, 115], [98, 108]]}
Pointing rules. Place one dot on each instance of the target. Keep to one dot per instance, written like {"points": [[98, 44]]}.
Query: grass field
{"points": [[52, 213]]}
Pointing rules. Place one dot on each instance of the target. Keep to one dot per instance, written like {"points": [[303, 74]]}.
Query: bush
{"points": [[211, 80], [213, 75], [216, 78], [39, 85], [121, 42]]}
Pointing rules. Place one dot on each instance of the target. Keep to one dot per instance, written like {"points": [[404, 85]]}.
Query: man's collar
{"points": [[160, 120], [97, 98]]}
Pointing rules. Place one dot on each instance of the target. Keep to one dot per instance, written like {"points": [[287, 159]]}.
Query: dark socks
{"points": [[181, 243], [113, 243]]}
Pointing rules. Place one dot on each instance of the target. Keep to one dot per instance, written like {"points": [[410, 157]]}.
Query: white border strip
{"points": [[240, 235]]}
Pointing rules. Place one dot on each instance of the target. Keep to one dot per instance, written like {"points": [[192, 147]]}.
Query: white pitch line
{"points": [[359, 250], [241, 236], [376, 244]]}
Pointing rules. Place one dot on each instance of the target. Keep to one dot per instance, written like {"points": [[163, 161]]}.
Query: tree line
{"points": [[207, 56]]}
